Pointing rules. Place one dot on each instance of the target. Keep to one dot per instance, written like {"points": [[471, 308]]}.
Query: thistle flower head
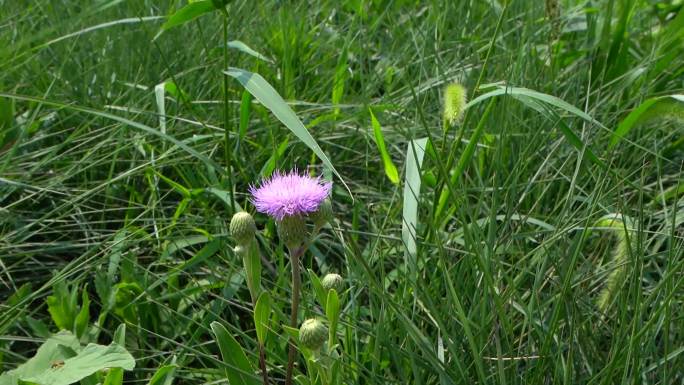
{"points": [[454, 102], [287, 195], [313, 334]]}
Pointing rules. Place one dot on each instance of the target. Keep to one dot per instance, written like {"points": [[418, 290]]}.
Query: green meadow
{"points": [[507, 200]]}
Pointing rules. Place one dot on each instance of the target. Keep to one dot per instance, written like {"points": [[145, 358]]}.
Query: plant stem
{"points": [[262, 364], [296, 283]]}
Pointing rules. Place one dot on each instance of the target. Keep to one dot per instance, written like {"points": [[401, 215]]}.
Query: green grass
{"points": [[501, 285]]}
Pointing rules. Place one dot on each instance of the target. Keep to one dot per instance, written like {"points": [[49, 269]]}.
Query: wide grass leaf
{"points": [[414, 159], [189, 12], [662, 106], [269, 97]]}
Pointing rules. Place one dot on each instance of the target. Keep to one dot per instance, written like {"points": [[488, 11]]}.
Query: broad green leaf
{"points": [[414, 160], [332, 312], [270, 98], [238, 369], [61, 307], [83, 316], [114, 377], [390, 168], [91, 359], [187, 13], [163, 375], [670, 106], [48, 354], [262, 314], [240, 46], [252, 264], [120, 335], [319, 292]]}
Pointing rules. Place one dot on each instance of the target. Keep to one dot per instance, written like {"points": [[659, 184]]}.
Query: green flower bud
{"points": [[333, 281], [313, 334], [292, 231], [454, 102], [323, 215], [242, 228]]}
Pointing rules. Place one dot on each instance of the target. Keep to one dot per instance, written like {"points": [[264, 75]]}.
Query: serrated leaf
{"points": [[238, 369], [390, 168]]}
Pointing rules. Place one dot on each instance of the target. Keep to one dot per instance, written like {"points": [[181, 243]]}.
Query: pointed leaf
{"points": [[187, 13], [671, 106], [414, 160], [238, 369], [390, 168], [240, 46], [262, 314], [270, 98]]}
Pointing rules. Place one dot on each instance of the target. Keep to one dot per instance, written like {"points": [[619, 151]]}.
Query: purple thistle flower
{"points": [[292, 194]]}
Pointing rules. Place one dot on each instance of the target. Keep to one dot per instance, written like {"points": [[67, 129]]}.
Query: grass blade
{"points": [[390, 168], [414, 160], [189, 12], [238, 369], [270, 98]]}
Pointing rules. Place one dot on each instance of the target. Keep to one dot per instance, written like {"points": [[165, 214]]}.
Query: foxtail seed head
{"points": [[454, 102]]}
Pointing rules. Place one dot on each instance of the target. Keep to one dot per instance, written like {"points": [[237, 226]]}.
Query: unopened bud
{"points": [[242, 228], [333, 281], [313, 334]]}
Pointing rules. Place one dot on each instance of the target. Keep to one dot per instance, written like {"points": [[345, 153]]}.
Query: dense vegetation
{"points": [[536, 239]]}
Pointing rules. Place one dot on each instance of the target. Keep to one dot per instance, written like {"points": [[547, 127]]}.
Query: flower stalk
{"points": [[295, 255]]}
